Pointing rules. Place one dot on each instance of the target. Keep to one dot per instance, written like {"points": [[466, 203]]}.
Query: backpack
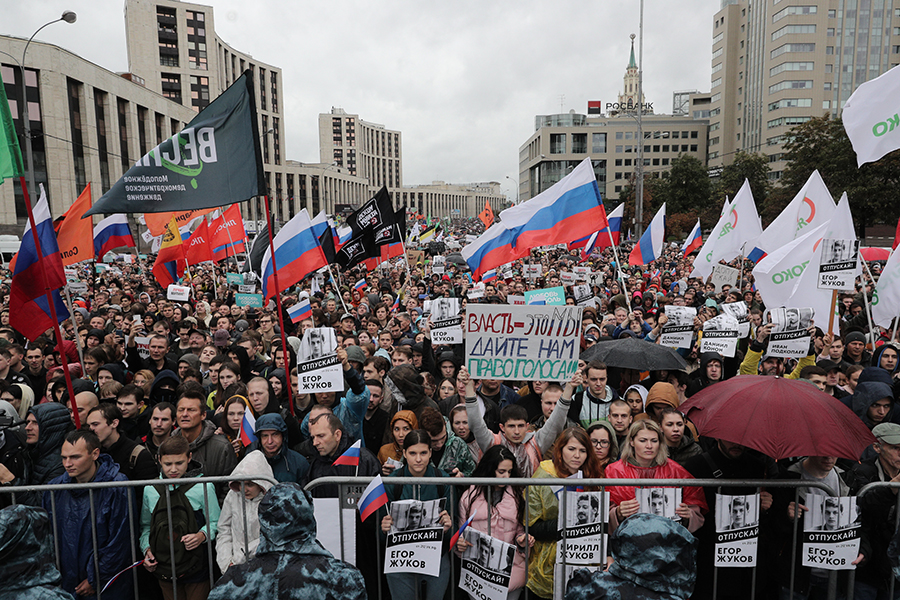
{"points": [[184, 521]]}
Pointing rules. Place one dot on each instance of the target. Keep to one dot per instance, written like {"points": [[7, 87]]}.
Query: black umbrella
{"points": [[457, 259], [631, 353]]}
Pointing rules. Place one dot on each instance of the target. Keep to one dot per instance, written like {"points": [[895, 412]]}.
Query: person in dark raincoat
{"points": [[290, 564], [27, 568], [654, 559]]}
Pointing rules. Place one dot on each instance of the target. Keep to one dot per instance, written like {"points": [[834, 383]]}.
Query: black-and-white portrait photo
{"points": [[839, 251], [789, 319], [736, 512], [680, 316], [827, 513], [659, 501], [317, 342], [444, 308], [409, 515], [488, 552], [583, 508]]}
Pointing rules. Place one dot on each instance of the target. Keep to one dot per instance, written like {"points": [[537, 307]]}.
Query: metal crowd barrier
{"points": [[361, 482], [866, 489], [135, 535]]}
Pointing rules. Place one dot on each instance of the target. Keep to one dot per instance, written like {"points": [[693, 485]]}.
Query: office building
{"points": [[611, 140], [776, 65]]}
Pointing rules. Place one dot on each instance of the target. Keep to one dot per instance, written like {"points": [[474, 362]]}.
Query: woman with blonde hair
{"points": [[644, 456]]}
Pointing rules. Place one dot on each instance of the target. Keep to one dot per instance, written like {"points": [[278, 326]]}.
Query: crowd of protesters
{"points": [[172, 406]]}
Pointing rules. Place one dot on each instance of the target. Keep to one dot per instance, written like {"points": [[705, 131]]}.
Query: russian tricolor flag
{"points": [[248, 427], [360, 285], [570, 209], [694, 240], [297, 254], [350, 457], [396, 303], [372, 499], [112, 232], [29, 311], [301, 310], [462, 528], [489, 276], [650, 246]]}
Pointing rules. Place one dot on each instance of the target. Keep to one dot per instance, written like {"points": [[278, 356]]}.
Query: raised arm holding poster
{"points": [[318, 367], [678, 331], [790, 331], [522, 342], [720, 334]]}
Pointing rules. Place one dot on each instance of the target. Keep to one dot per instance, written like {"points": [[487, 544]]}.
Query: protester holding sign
{"points": [[644, 456], [499, 511], [417, 463], [572, 455]]}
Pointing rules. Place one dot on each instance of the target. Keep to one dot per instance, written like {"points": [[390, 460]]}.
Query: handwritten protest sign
{"points": [[522, 342]]}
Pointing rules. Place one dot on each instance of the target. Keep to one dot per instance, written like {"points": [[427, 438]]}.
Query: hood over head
{"points": [[271, 422], [656, 553], [868, 393], [54, 423], [117, 372], [874, 374], [405, 415], [405, 383], [640, 390], [26, 549], [287, 522], [254, 463], [158, 395], [662, 393]]}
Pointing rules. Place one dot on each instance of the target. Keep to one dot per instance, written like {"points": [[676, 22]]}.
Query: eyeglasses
{"points": [[600, 443]]}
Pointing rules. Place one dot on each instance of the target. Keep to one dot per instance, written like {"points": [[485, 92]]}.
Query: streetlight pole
{"points": [[69, 17], [516, 193], [639, 198]]}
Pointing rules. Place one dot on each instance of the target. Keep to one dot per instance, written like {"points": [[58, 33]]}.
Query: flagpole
{"points": [[340, 295], [866, 297], [77, 335], [284, 351], [50, 303], [618, 264], [741, 270]]}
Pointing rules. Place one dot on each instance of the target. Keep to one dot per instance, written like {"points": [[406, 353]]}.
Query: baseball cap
{"points": [[221, 338], [828, 365], [888, 433], [347, 316]]}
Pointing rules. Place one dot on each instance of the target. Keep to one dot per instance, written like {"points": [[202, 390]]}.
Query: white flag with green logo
{"points": [[872, 117], [777, 274], [738, 226], [886, 302]]}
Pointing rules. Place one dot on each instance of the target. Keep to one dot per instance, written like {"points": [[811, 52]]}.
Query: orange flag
{"points": [[76, 235], [487, 215], [156, 222]]}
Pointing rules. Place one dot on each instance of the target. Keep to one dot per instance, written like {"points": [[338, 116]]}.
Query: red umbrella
{"points": [[779, 417], [870, 254]]}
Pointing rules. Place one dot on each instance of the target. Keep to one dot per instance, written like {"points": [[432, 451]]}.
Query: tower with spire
{"points": [[628, 99]]}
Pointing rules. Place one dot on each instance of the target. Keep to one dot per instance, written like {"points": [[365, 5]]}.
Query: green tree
{"points": [[821, 143], [747, 165], [688, 187]]}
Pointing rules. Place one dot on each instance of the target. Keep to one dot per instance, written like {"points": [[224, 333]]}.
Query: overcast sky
{"points": [[461, 80]]}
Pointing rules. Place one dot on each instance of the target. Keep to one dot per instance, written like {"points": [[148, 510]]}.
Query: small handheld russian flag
{"points": [[350, 457], [301, 310], [462, 528], [373, 498], [248, 427], [396, 303], [360, 285]]}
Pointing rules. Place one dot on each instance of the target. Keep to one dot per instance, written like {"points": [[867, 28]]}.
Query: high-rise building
{"points": [[174, 47], [612, 141], [367, 150], [776, 65]]}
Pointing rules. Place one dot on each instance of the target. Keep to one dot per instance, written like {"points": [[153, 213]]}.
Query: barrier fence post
{"points": [[208, 541], [794, 540], [97, 582], [55, 528], [129, 493], [171, 542], [246, 528]]}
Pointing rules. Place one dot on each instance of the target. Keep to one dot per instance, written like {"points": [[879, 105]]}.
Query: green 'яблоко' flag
{"points": [[10, 155], [214, 161]]}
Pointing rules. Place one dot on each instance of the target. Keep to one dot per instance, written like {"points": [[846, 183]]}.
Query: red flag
{"points": [[157, 222], [227, 234], [896, 236], [75, 235], [198, 248], [170, 263], [487, 215]]}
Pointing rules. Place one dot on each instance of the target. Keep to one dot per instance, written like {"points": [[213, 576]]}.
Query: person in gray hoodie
{"points": [[238, 534]]}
